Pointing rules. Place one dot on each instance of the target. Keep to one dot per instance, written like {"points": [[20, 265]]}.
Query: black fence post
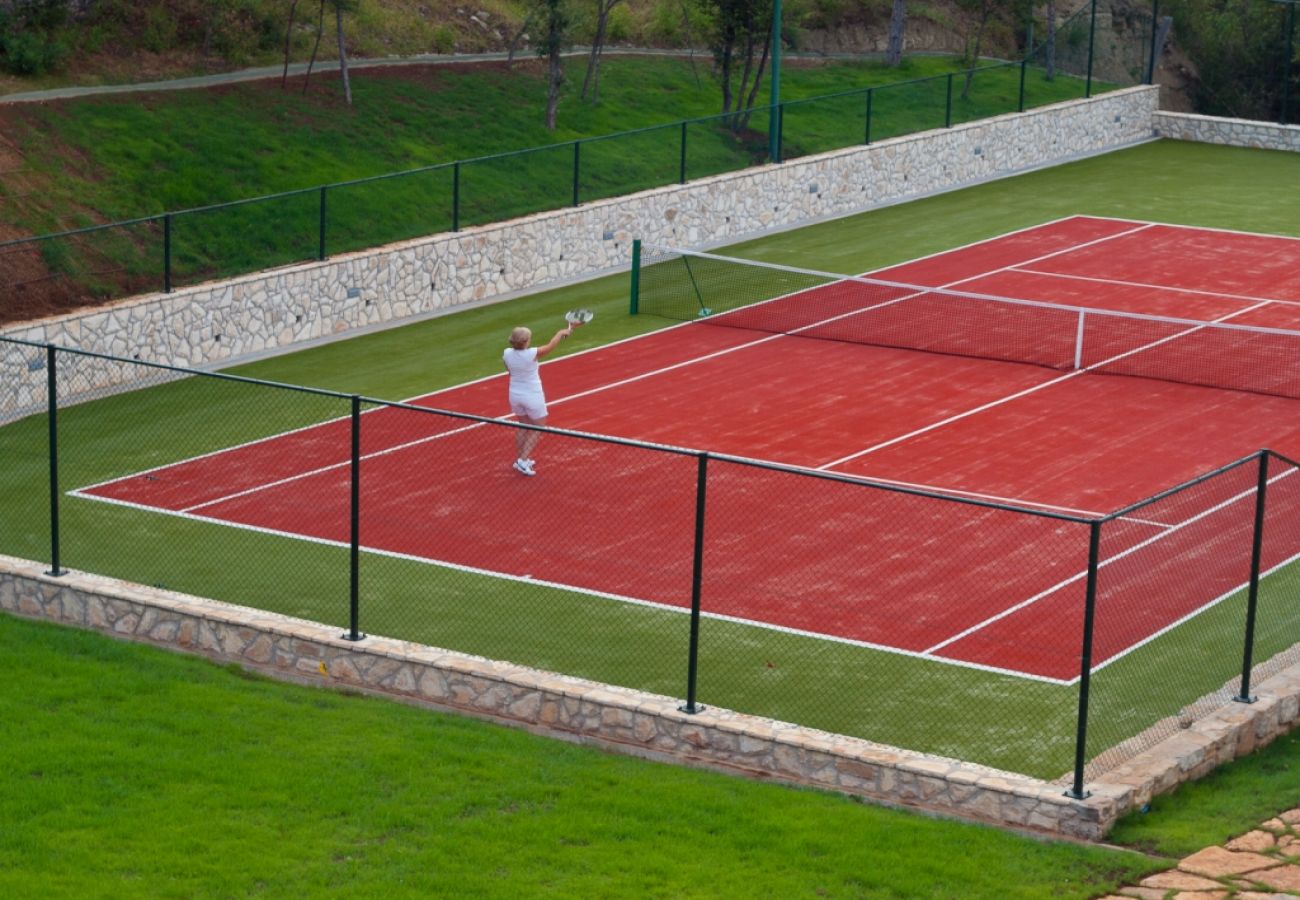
{"points": [[320, 246], [681, 175], [780, 134], [455, 196], [1252, 595], [947, 107], [52, 404], [354, 606], [697, 576], [866, 135], [577, 168], [1024, 64], [167, 253], [1155, 28], [1085, 663], [1092, 39]]}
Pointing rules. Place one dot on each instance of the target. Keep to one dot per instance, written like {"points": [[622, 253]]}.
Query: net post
{"points": [[1085, 663], [354, 560], [52, 405], [1078, 341], [1252, 595], [635, 298], [697, 577]]}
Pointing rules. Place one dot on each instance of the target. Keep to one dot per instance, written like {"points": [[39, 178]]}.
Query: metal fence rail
{"points": [[188, 246], [661, 568]]}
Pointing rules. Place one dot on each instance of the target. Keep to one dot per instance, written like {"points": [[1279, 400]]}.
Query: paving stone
{"points": [[1254, 841], [1217, 862], [1175, 880], [1284, 878], [1201, 895]]}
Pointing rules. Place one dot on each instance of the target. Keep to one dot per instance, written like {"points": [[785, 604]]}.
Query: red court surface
{"points": [[843, 559]]}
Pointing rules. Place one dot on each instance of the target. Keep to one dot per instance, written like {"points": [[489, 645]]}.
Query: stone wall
{"points": [[1233, 132], [220, 323], [653, 726]]}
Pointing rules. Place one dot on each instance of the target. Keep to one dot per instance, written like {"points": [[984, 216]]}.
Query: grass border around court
{"points": [[411, 360]]}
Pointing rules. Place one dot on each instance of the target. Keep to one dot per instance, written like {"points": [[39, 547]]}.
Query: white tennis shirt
{"points": [[525, 379]]}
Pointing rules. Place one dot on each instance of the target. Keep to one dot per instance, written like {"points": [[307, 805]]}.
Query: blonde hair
{"points": [[519, 337]]}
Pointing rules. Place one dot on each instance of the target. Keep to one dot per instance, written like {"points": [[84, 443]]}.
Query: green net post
{"points": [[636, 275]]}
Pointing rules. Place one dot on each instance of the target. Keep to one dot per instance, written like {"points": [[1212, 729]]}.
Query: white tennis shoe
{"points": [[524, 467]]}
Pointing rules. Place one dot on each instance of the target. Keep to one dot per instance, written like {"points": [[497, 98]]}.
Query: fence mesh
{"points": [[860, 596], [1171, 587], [361, 214], [67, 271], [221, 241], [904, 617]]}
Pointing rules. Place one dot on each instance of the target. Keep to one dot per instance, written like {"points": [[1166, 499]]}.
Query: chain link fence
{"points": [[1043, 643], [185, 247]]}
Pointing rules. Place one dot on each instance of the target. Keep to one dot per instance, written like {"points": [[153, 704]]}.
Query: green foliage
{"points": [[444, 39], [1239, 50], [31, 36]]}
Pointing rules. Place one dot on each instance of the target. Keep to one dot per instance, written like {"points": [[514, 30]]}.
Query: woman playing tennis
{"points": [[527, 400]]}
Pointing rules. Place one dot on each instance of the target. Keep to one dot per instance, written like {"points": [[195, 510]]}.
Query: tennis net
{"points": [[776, 299]]}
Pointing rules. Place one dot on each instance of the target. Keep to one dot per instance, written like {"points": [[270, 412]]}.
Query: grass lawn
{"points": [[885, 697], [129, 771], [115, 158]]}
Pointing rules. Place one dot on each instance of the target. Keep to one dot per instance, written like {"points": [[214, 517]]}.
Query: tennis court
{"points": [[977, 385]]}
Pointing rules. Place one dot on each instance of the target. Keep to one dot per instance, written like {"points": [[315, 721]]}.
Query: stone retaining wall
{"points": [[1233, 132], [220, 323], [646, 725]]}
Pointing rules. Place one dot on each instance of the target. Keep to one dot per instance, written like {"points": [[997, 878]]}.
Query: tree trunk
{"points": [[897, 29], [320, 31], [592, 80], [343, 52], [986, 11], [555, 78], [288, 33]]}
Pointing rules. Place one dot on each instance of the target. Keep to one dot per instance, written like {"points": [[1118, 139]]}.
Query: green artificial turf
{"points": [[980, 716]]}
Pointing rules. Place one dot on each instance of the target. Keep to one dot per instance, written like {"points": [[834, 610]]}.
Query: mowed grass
{"points": [[129, 771], [101, 159]]}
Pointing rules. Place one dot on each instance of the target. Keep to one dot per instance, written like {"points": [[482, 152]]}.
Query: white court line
{"points": [[1241, 495], [1218, 295], [426, 397]]}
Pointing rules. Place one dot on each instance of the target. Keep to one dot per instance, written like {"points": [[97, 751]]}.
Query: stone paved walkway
{"points": [[1260, 864]]}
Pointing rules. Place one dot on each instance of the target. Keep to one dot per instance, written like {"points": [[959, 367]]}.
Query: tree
{"points": [[288, 36], [320, 31], [339, 6], [556, 24], [592, 79], [982, 11], [897, 28], [740, 36]]}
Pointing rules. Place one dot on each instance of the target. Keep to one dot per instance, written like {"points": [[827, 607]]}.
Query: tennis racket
{"points": [[579, 316]]}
